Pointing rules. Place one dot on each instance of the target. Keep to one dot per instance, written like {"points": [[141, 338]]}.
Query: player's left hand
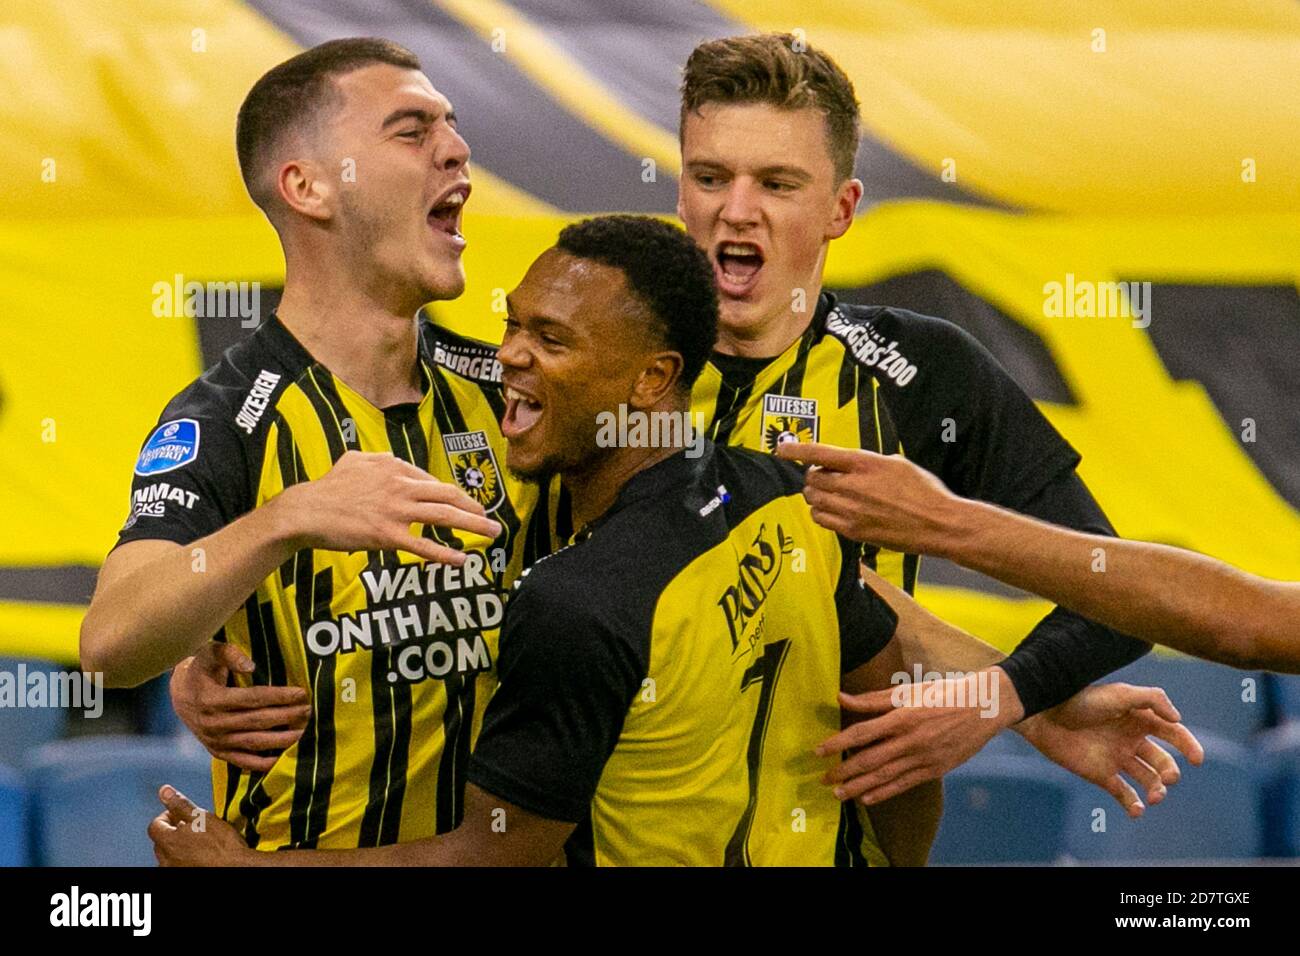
{"points": [[1103, 732], [186, 835], [923, 730]]}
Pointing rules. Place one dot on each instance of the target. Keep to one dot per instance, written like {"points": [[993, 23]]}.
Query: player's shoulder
{"points": [[892, 319], [466, 358], [230, 403], [665, 519], [577, 599], [898, 344], [755, 477]]}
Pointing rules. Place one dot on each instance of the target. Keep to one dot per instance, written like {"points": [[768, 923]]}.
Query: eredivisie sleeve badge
{"points": [[788, 418], [474, 467]]}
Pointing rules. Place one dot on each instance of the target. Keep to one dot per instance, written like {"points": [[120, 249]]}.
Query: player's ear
{"points": [[846, 206], [656, 380], [303, 188]]}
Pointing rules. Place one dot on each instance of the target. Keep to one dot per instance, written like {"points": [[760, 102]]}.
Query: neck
{"points": [[593, 488], [371, 345]]}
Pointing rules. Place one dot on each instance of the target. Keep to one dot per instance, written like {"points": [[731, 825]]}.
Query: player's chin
{"points": [[531, 457], [742, 314], [445, 279], [524, 466]]}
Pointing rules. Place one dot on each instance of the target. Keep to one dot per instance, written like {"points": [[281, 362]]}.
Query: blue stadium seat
{"points": [[157, 717], [1286, 694], [1279, 750], [1000, 808], [1212, 813], [13, 818], [26, 728], [1209, 696], [93, 797]]}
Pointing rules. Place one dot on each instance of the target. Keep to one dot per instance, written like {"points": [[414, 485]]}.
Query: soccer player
{"points": [[667, 675], [765, 136], [769, 132], [1166, 595], [325, 498]]}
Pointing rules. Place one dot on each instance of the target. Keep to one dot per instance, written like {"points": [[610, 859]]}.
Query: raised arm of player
{"points": [[157, 601], [1165, 595], [1101, 733]]}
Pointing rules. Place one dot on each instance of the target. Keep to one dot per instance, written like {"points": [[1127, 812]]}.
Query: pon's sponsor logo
{"points": [[171, 445], [787, 418], [757, 572], [474, 467]]}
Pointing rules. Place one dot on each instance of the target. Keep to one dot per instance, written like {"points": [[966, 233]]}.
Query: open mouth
{"points": [[445, 215], [736, 266], [523, 411]]}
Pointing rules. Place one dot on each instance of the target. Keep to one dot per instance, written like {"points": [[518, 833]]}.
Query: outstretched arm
{"points": [[1165, 595]]}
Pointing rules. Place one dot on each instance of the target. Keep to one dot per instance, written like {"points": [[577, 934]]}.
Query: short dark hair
{"points": [[783, 71], [666, 270], [296, 91]]}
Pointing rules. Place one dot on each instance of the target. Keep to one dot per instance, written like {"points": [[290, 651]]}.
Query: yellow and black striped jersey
{"points": [[666, 678], [896, 382], [397, 654], [893, 381], [820, 389]]}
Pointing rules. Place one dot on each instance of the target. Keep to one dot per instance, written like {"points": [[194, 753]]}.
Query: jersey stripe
{"points": [[457, 718], [848, 841], [792, 380], [324, 397], [314, 776], [314, 771], [848, 380], [390, 700], [731, 401]]}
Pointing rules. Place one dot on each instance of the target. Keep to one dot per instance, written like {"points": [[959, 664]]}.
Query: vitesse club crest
{"points": [[786, 418], [475, 468]]}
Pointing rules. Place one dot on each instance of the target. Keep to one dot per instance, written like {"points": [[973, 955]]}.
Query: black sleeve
{"points": [[190, 478], [967, 421], [1066, 652], [567, 681], [867, 622]]}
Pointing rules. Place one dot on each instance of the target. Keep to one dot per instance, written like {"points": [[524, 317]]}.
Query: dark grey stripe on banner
{"points": [[63, 584], [637, 51], [514, 128]]}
